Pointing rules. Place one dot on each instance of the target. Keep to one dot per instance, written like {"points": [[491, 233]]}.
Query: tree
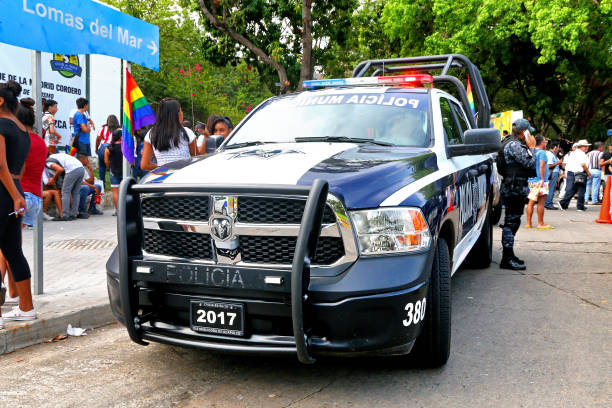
{"points": [[549, 57], [282, 36], [365, 40], [201, 86]]}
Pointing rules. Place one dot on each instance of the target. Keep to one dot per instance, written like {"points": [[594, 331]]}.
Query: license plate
{"points": [[210, 316]]}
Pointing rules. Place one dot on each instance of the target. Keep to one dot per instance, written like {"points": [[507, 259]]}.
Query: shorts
{"points": [[537, 189], [84, 149], [34, 204], [115, 180]]}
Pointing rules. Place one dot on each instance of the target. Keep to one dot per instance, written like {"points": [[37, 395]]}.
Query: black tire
{"points": [[432, 347], [481, 254]]}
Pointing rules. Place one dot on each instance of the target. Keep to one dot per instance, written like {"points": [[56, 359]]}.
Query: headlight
{"points": [[388, 230]]}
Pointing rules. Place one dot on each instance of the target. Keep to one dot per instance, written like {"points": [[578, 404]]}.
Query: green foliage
{"points": [[365, 40], [550, 58], [275, 27], [227, 90]]}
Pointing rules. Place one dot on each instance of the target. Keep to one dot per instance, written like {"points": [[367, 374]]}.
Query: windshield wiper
{"points": [[245, 144], [342, 139]]}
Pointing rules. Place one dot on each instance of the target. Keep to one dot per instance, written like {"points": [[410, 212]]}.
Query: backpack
{"points": [[500, 159]]}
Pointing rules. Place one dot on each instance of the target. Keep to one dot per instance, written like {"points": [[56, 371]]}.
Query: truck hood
{"points": [[361, 175]]}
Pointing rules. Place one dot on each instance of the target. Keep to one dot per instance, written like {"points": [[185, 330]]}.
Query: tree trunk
{"points": [[306, 69], [280, 70], [550, 122], [596, 93]]}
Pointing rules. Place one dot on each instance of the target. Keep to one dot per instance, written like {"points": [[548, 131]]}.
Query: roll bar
{"points": [[445, 63]]}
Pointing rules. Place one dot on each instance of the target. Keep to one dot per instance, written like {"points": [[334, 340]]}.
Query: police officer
{"points": [[520, 162]]}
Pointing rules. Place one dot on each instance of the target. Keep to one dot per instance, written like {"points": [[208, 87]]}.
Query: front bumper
{"points": [[362, 310], [358, 312]]}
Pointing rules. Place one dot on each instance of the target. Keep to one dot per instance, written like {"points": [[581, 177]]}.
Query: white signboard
{"points": [[63, 80]]}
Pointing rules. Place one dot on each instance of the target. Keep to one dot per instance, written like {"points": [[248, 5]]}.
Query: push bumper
{"points": [[343, 317], [362, 310]]}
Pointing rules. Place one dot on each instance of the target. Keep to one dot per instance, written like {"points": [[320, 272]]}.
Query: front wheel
{"points": [[432, 347]]}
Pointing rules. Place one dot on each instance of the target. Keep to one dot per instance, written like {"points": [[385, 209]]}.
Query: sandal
{"points": [[546, 226]]}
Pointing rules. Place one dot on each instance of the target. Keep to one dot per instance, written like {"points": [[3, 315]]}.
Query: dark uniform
{"points": [[520, 165]]}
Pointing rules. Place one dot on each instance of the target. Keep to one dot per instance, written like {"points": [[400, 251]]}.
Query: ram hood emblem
{"points": [[221, 227]]}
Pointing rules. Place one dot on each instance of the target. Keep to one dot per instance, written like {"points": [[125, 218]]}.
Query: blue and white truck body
{"points": [[329, 222]]}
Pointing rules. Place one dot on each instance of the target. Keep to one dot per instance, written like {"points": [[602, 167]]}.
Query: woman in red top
{"points": [[31, 181]]}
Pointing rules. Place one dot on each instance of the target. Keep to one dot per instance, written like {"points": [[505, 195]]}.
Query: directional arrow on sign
{"points": [[152, 47]]}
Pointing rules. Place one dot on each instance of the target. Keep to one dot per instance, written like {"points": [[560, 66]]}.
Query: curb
{"points": [[46, 327]]}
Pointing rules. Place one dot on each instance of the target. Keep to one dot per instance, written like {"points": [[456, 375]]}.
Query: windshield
{"points": [[391, 117]]}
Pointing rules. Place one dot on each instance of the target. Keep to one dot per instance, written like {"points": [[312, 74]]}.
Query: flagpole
{"points": [[37, 276], [128, 65]]}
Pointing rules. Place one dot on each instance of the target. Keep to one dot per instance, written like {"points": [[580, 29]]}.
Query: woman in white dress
{"points": [[168, 140]]}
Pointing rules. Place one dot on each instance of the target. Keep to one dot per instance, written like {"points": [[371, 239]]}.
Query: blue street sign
{"points": [[609, 132], [79, 27]]}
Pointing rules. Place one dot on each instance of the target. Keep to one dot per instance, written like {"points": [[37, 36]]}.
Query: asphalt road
{"points": [[537, 339]]}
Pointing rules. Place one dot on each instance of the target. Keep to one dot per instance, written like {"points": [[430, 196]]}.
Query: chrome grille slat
{"points": [[283, 230]]}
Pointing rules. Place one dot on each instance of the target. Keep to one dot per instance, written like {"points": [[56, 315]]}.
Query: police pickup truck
{"points": [[329, 222]]}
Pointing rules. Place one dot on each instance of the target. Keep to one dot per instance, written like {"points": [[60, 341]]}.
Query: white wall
{"points": [[104, 90], [16, 63]]}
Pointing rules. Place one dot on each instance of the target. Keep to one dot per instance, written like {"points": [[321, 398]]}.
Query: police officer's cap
{"points": [[522, 124]]}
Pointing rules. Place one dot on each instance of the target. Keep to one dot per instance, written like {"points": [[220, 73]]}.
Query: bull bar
{"points": [[130, 231]]}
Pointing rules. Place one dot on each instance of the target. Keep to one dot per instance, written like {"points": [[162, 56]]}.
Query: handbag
{"points": [[580, 178]]}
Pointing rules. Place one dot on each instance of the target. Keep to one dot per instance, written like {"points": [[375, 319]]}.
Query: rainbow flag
{"points": [[71, 150], [470, 97], [137, 113]]}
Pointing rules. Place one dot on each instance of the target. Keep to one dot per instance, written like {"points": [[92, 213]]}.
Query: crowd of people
{"points": [[69, 179], [577, 174], [35, 171], [533, 168]]}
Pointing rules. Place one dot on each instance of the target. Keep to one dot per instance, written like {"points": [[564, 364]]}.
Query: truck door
{"points": [[471, 177]]}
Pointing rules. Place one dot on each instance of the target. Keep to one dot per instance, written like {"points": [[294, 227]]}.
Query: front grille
{"points": [[176, 207], [280, 250], [172, 240], [270, 210], [178, 244]]}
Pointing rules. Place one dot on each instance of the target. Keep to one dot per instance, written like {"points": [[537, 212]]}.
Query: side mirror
{"points": [[213, 142], [477, 141]]}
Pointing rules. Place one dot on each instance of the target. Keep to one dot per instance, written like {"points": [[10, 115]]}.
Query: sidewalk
{"points": [[74, 259]]}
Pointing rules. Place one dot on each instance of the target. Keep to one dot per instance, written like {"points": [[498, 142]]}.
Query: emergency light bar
{"points": [[411, 81]]}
